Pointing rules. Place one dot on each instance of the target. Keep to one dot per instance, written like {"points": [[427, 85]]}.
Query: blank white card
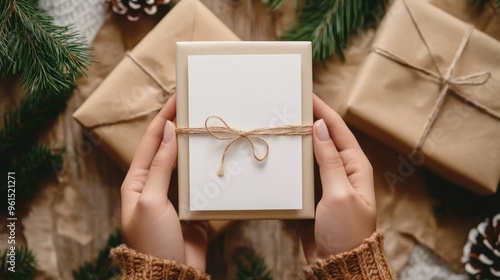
{"points": [[248, 92]]}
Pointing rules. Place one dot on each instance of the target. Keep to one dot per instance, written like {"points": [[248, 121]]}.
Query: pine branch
{"points": [[48, 58], [18, 151], [103, 267], [25, 265], [329, 24], [31, 168], [23, 125], [481, 3], [275, 5], [253, 267]]}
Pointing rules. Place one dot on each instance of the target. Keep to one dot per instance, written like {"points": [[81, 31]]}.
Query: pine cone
{"points": [[134, 9], [482, 250]]}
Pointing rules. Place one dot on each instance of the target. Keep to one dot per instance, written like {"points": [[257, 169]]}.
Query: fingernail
{"points": [[167, 132], [322, 131]]}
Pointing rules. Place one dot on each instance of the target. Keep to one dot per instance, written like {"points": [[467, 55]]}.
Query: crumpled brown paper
{"points": [[39, 232], [70, 221], [394, 103]]}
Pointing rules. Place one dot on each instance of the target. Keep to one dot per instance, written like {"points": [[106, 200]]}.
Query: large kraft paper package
{"points": [[395, 96], [121, 108], [405, 211]]}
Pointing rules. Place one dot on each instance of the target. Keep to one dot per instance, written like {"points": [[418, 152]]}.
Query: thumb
{"points": [[331, 167], [160, 171]]}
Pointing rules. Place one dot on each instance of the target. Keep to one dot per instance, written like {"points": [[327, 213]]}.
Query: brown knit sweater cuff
{"points": [[135, 266], [367, 261]]}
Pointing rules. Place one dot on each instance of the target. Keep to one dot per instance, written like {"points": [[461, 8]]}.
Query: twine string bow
{"points": [[446, 81], [252, 137]]}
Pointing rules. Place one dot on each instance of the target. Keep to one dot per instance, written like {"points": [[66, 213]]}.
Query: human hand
{"points": [[150, 223], [346, 213]]}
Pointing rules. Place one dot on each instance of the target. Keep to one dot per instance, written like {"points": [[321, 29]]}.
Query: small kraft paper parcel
{"points": [[244, 126]]}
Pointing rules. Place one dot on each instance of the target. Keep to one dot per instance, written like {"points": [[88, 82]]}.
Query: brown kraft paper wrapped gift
{"points": [[121, 108], [432, 84]]}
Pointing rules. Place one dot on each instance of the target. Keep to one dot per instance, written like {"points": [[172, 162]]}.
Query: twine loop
{"points": [[252, 137], [445, 81]]}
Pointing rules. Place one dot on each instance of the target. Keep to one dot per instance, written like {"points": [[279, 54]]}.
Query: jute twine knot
{"points": [[445, 81], [252, 137]]}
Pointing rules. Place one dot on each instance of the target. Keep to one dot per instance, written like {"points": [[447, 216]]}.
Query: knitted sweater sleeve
{"points": [[135, 266], [367, 261]]}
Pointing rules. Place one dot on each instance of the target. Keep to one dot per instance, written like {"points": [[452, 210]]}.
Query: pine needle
{"points": [[19, 151], [480, 3], [30, 169], [329, 24], [48, 58], [274, 5], [25, 265], [250, 265], [102, 268], [23, 125]]}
